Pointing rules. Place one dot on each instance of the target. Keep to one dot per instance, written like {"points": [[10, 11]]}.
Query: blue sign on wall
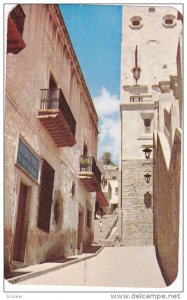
{"points": [[27, 160]]}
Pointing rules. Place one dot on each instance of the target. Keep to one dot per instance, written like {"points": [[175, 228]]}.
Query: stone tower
{"points": [[148, 68]]}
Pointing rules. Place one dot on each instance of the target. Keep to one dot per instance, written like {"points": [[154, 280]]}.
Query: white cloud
{"points": [[107, 107], [109, 138], [106, 104]]}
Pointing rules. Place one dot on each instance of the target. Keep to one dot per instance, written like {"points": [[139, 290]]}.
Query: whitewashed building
{"points": [[51, 134], [112, 185]]}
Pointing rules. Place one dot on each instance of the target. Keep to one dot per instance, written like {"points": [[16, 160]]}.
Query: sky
{"points": [[95, 33]]}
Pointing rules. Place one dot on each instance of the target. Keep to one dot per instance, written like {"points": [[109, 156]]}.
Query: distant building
{"points": [[111, 175], [51, 134], [103, 197], [151, 118]]}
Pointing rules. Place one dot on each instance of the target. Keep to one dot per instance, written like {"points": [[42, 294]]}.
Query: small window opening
{"points": [[136, 23], [116, 191], [169, 21], [152, 9], [147, 123], [73, 189], [85, 150]]}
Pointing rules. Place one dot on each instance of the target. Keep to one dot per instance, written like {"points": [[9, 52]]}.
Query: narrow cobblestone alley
{"points": [[112, 267]]}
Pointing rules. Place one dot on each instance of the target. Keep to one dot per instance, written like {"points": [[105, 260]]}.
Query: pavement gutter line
{"points": [[42, 272]]}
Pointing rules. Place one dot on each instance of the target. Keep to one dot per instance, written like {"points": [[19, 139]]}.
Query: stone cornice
{"points": [[136, 106], [64, 36]]}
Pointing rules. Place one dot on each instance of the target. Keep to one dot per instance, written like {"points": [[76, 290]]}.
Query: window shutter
{"points": [[45, 196]]}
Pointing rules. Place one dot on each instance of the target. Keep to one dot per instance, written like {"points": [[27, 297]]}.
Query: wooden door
{"points": [[21, 230]]}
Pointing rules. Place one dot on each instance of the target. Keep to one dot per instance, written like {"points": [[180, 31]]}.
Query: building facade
{"points": [[148, 86], [112, 185], [167, 184], [51, 133], [102, 204]]}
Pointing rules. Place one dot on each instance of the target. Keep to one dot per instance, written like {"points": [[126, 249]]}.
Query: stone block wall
{"points": [[137, 216], [166, 204]]}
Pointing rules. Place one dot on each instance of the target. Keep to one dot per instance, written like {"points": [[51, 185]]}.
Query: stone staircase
{"points": [[109, 230]]}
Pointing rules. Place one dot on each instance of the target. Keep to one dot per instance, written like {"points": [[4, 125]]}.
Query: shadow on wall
{"points": [[167, 206]]}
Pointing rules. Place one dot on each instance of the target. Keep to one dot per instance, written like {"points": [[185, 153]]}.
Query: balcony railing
{"points": [[136, 99], [53, 99], [88, 164], [18, 17]]}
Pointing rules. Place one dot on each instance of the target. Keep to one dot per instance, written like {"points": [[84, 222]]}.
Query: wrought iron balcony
{"points": [[16, 20], [90, 174], [57, 118]]}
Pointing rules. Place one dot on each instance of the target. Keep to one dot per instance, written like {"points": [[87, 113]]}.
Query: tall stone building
{"points": [[51, 134], [150, 37]]}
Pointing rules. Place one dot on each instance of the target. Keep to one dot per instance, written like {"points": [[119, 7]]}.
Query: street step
{"points": [[108, 223], [33, 271]]}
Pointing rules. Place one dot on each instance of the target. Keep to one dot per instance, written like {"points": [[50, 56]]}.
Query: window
{"points": [[147, 124], [85, 150], [116, 191], [88, 221], [57, 212], [136, 22], [45, 196], [151, 9], [103, 181], [58, 209], [73, 189], [169, 21], [147, 200]]}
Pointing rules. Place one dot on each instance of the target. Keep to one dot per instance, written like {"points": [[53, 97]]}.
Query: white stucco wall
{"points": [[26, 73], [152, 45]]}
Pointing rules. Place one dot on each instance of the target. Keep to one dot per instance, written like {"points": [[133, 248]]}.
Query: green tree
{"points": [[106, 158]]}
